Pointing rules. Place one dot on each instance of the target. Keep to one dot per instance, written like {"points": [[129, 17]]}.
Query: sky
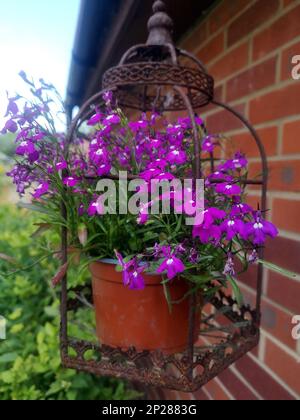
{"points": [[35, 36]]}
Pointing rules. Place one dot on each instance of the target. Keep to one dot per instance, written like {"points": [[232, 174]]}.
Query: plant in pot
{"points": [[152, 237]]}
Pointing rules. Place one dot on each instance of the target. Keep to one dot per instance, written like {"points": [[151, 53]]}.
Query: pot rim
{"points": [[112, 261]]}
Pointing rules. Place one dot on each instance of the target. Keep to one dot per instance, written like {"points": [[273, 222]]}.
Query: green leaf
{"points": [[34, 207], [168, 295], [8, 358], [42, 227], [236, 290], [280, 270]]}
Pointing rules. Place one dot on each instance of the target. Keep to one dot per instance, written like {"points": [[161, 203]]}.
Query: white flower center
{"points": [[176, 153], [24, 144], [258, 225], [170, 261], [135, 274], [231, 223], [94, 142], [40, 187], [228, 187], [99, 152]]}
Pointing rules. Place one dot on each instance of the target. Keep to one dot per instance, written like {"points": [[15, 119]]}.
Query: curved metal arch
{"points": [[264, 186], [76, 120], [196, 60]]}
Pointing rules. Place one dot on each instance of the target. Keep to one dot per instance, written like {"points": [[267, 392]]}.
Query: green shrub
{"points": [[30, 366]]}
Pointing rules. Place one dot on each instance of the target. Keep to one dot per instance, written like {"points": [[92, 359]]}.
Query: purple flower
{"points": [[25, 148], [70, 181], [132, 273], [96, 119], [207, 234], [177, 157], [229, 269], [33, 157], [258, 230], [239, 162], [81, 210], [232, 228], [149, 174], [112, 120], [241, 209], [60, 166], [104, 169], [96, 207], [209, 231], [208, 145], [12, 107], [194, 256], [172, 266], [99, 155], [138, 125], [253, 257], [41, 190], [10, 126], [108, 98], [228, 189]]}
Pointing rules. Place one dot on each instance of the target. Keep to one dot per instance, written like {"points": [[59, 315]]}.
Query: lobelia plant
{"points": [[152, 150]]}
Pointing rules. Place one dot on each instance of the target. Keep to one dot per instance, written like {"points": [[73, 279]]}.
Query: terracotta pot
{"points": [[141, 319]]}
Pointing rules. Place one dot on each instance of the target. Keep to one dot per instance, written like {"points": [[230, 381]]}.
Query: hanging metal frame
{"points": [[139, 82]]}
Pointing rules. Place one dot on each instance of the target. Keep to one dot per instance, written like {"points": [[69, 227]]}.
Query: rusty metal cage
{"points": [[159, 76]]}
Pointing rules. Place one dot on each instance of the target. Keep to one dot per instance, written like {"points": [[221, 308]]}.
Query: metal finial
{"points": [[160, 25]]}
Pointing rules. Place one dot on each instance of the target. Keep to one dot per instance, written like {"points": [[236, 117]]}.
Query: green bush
{"points": [[30, 366]]}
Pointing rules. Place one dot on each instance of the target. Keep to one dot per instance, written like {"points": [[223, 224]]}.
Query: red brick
{"points": [[284, 365], [196, 37], [246, 144], [251, 19], [216, 391], [286, 214], [249, 278], [223, 121], [278, 323], [284, 252], [284, 291], [254, 79], [232, 62], [291, 138], [284, 175], [211, 50], [261, 381], [171, 395], [185, 396], [225, 12], [278, 104], [237, 389], [201, 396], [286, 61], [287, 3], [279, 33]]}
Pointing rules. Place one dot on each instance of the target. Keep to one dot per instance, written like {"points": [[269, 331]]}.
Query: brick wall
{"points": [[247, 46]]}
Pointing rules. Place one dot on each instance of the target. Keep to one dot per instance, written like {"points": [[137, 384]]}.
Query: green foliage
{"points": [[29, 359], [7, 144]]}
